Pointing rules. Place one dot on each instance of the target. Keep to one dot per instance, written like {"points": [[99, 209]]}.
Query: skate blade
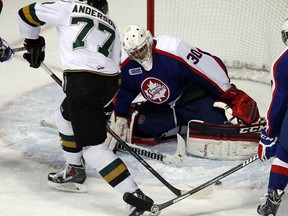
{"points": [[68, 187]]}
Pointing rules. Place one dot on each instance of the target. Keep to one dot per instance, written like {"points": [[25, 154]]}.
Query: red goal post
{"points": [[245, 34]]}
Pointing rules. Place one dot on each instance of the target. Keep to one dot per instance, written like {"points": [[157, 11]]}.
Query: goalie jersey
{"points": [[176, 65], [82, 30]]}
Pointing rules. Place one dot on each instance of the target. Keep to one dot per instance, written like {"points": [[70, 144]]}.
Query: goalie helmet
{"points": [[284, 32], [138, 44], [101, 5]]}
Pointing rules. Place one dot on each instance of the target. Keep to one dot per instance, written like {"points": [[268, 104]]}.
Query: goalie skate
{"points": [[70, 179]]}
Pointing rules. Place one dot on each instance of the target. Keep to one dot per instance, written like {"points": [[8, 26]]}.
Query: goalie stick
{"points": [[154, 208], [44, 123], [168, 159], [176, 191]]}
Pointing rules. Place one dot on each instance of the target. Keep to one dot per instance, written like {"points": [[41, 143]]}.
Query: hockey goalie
{"points": [[186, 91]]}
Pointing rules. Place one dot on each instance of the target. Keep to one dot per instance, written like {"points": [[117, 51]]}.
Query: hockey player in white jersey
{"points": [[90, 54], [6, 53], [180, 83]]}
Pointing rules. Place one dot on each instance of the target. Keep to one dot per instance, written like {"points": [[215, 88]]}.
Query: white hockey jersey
{"points": [[89, 40]]}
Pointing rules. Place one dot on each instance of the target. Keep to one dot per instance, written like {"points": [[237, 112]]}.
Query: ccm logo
{"points": [[257, 128]]}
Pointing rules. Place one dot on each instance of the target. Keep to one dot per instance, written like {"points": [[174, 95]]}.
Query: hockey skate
{"points": [[135, 211], [271, 203], [70, 179]]}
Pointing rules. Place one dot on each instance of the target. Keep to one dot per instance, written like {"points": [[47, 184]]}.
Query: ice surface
{"points": [[29, 152]]}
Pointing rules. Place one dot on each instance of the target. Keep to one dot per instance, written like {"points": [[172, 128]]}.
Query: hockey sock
{"points": [[110, 167]]}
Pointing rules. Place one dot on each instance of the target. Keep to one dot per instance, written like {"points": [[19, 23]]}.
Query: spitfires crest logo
{"points": [[155, 90]]}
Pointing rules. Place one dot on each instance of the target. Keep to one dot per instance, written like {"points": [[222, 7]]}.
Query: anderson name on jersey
{"points": [[82, 30], [93, 12]]}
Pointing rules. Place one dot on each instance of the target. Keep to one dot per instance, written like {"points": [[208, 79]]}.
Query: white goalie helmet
{"points": [[284, 32], [138, 42]]}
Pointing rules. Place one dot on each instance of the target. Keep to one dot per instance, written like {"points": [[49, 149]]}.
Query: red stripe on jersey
{"points": [[280, 170], [195, 70]]}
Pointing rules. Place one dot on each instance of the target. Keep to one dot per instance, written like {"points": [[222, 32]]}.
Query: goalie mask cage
{"points": [[245, 34]]}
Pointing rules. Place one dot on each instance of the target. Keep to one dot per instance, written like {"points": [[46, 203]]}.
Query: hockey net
{"points": [[245, 34]]}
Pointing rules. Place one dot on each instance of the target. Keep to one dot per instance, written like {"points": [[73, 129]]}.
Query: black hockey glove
{"points": [[36, 51]]}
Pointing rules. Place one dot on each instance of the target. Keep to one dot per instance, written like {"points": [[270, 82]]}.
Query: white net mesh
{"points": [[243, 33]]}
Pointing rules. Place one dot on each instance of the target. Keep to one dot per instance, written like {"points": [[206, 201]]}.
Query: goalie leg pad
{"points": [[223, 142]]}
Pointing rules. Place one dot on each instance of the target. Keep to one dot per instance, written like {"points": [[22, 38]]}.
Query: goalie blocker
{"points": [[223, 142]]}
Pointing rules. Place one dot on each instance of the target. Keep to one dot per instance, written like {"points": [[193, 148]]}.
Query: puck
{"points": [[218, 183]]}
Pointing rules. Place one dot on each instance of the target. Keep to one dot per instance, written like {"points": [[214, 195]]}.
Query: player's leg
{"points": [[277, 183], [89, 125], [278, 178], [73, 175], [201, 109], [153, 121]]}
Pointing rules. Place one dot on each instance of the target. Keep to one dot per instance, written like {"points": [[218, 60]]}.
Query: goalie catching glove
{"points": [[242, 105], [122, 127], [36, 51]]}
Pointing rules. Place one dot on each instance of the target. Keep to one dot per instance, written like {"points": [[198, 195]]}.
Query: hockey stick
{"points": [[44, 123], [131, 199], [168, 159], [56, 79], [176, 191], [18, 49]]}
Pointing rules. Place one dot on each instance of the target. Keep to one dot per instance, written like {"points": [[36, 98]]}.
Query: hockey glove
{"points": [[120, 126], [36, 51], [6, 53], [266, 146], [242, 105]]}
